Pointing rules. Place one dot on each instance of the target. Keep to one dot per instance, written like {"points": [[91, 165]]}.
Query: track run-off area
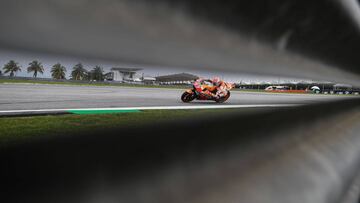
{"points": [[25, 98]]}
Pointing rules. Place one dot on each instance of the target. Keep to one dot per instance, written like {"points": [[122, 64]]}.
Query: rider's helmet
{"points": [[216, 81]]}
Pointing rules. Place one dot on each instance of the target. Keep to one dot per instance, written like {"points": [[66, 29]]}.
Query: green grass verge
{"points": [[14, 129]]}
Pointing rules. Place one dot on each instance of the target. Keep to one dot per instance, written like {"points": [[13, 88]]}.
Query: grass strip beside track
{"points": [[24, 129], [79, 83]]}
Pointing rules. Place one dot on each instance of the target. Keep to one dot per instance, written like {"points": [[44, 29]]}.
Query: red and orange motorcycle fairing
{"points": [[197, 92]]}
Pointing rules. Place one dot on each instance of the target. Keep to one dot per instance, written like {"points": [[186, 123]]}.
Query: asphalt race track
{"points": [[42, 96]]}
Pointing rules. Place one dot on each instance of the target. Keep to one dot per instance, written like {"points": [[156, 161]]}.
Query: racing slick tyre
{"points": [[223, 99], [187, 97]]}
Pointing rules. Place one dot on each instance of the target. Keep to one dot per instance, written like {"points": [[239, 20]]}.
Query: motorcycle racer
{"points": [[210, 88], [220, 87]]}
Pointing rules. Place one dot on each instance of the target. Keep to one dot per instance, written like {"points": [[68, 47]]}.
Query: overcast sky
{"points": [[24, 58]]}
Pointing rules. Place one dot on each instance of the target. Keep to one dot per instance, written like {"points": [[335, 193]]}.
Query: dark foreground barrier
{"points": [[304, 154]]}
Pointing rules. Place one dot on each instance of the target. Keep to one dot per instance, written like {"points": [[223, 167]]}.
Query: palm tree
{"points": [[11, 67], [58, 71], [87, 75], [97, 74], [78, 73], [35, 67]]}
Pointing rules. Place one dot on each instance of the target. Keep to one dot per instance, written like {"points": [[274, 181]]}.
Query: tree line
{"points": [[58, 71]]}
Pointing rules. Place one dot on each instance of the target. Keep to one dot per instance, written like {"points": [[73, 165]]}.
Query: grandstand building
{"points": [[180, 78], [123, 74]]}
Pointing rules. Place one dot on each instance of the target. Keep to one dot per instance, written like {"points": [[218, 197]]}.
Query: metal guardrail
{"points": [[193, 34]]}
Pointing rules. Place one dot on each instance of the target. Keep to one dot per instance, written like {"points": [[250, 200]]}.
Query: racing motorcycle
{"points": [[191, 94]]}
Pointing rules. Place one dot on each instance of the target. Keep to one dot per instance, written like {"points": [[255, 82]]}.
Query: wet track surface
{"points": [[40, 96]]}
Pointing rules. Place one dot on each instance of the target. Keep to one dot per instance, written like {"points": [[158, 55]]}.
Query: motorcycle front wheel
{"points": [[187, 97]]}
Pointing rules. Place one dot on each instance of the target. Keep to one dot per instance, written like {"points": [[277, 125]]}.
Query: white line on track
{"points": [[156, 108]]}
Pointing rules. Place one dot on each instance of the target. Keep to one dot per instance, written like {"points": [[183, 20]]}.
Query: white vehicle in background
{"points": [[315, 89], [276, 88], [343, 89]]}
